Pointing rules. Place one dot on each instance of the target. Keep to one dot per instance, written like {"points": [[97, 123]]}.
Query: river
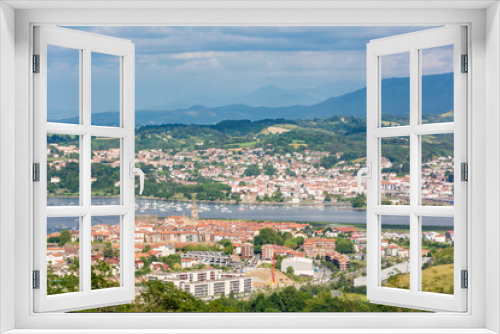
{"points": [[299, 213]]}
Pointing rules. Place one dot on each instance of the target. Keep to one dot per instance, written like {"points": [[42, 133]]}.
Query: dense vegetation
{"points": [[165, 297], [268, 236]]}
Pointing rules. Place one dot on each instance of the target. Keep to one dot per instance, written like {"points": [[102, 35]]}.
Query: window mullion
{"points": [[86, 175], [414, 167], [85, 254]]}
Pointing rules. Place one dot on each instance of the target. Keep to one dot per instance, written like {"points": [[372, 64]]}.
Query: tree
{"points": [[359, 201], [161, 296], [53, 240], [64, 237], [344, 284], [252, 170], [109, 251], [328, 162], [290, 271], [101, 276], [228, 246], [268, 236], [344, 246], [172, 260], [269, 170], [292, 243], [278, 196], [300, 240]]}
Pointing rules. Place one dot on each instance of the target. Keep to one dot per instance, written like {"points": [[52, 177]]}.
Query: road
{"points": [[403, 268]]}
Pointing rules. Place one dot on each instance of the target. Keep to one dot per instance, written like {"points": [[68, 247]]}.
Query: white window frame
{"points": [[86, 44], [484, 50], [412, 44]]}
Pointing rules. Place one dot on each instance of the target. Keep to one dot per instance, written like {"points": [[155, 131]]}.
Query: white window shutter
{"points": [[85, 297], [413, 43]]}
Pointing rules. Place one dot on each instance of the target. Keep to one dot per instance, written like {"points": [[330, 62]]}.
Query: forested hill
{"points": [[336, 134], [437, 98]]}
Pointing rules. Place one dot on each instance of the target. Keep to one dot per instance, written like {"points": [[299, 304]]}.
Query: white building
{"points": [[207, 283], [301, 266], [165, 250]]}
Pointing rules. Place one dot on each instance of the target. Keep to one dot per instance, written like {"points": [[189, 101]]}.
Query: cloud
{"points": [[437, 60], [193, 39], [182, 66]]}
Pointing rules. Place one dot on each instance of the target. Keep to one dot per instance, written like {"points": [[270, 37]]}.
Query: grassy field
{"points": [[356, 296], [240, 146], [276, 129], [435, 279], [390, 123]]}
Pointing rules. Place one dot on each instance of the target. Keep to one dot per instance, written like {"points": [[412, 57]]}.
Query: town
{"points": [[210, 258], [213, 258], [257, 175]]}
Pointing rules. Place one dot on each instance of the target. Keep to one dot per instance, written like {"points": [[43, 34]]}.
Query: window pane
{"points": [[105, 169], [395, 92], [63, 170], [63, 254], [395, 167], [437, 254], [105, 252], [105, 89], [437, 170], [395, 252], [437, 84], [63, 85]]}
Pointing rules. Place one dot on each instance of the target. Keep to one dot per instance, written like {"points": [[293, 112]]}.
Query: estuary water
{"points": [[297, 213]]}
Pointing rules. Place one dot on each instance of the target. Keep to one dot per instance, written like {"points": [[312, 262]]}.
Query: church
{"points": [[194, 216]]}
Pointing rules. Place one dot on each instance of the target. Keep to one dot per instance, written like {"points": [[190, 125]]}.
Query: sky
{"points": [[179, 67]]}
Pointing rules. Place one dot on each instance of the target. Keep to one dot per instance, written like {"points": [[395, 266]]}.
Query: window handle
{"points": [[135, 170], [365, 170]]}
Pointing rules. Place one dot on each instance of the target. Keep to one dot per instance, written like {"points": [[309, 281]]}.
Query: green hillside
{"points": [[337, 134]]}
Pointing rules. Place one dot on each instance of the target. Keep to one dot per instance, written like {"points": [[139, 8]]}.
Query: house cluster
{"points": [[437, 180], [392, 250], [389, 249], [163, 237], [60, 260], [298, 176], [60, 156], [442, 237], [183, 229]]}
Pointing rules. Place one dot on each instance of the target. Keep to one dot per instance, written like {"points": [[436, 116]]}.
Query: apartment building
{"points": [[341, 261], [321, 247], [269, 250], [247, 251], [207, 283], [210, 257]]}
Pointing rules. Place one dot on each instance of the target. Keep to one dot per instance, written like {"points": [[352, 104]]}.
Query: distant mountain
{"points": [[272, 96], [437, 97]]}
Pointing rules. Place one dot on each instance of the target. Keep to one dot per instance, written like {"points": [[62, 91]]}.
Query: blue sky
{"points": [[184, 66]]}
